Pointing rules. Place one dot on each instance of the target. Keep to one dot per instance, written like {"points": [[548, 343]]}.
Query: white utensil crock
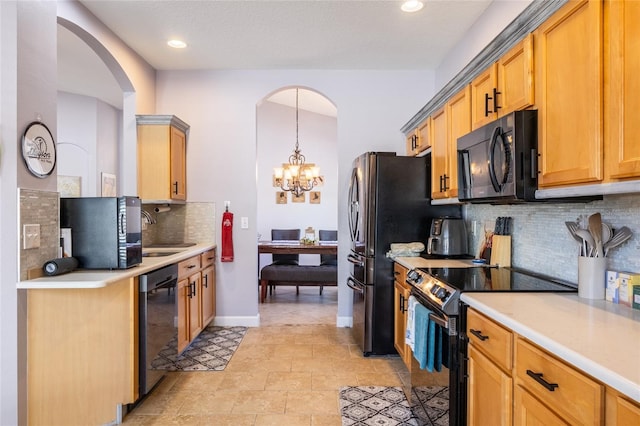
{"points": [[591, 277]]}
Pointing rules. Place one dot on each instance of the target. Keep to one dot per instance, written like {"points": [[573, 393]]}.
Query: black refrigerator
{"points": [[389, 202]]}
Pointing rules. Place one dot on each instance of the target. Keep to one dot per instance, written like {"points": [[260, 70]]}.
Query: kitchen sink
{"points": [[159, 253]]}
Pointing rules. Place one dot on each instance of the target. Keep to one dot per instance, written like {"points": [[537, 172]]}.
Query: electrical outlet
{"points": [[31, 236], [244, 222]]}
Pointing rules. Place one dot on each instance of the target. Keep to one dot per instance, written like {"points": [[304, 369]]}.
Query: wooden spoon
{"points": [[595, 227]]}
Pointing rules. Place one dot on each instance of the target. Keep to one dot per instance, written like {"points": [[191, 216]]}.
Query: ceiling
{"points": [[269, 34]]}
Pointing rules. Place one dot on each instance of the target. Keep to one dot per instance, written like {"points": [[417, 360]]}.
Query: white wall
{"points": [[88, 140], [220, 106], [495, 18], [276, 130]]}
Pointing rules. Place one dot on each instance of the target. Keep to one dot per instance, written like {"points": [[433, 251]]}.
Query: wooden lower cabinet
{"points": [[620, 410], [81, 353], [530, 411], [208, 295], [490, 355], [486, 378], [569, 393], [196, 298], [401, 304], [513, 381]]}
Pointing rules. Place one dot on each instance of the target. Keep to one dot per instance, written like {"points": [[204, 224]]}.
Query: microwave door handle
{"points": [[121, 224], [492, 166]]}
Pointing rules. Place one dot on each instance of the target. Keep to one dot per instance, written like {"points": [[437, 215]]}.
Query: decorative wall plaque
{"points": [[38, 150]]}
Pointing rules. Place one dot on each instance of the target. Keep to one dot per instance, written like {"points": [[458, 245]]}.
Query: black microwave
{"points": [[106, 232], [499, 161]]}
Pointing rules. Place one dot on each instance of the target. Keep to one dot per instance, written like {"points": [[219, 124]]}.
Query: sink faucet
{"points": [[146, 216]]}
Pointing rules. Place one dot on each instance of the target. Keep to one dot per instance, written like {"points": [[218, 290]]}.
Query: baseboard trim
{"points": [[237, 321]]}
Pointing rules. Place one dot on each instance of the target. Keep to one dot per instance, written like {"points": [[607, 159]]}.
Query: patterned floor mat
{"points": [[211, 350], [388, 406]]}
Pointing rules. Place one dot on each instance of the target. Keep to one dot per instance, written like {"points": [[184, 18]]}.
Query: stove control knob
{"points": [[412, 275], [435, 289], [442, 293]]}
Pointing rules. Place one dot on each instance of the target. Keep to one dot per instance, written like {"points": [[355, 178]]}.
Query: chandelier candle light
{"points": [[297, 177]]}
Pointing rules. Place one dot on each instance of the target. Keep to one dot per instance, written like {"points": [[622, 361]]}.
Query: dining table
{"points": [[297, 247]]}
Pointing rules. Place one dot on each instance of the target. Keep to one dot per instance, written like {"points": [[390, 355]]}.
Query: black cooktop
{"points": [[499, 279]]}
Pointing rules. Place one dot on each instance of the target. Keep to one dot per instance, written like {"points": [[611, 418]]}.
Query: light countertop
{"points": [[89, 278], [598, 337]]}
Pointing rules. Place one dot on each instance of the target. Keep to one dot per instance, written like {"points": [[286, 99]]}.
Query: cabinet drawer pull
{"points": [[478, 334], [538, 378], [191, 266]]}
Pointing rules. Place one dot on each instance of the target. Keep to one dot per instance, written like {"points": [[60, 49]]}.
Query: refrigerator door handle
{"points": [[354, 259], [354, 285]]}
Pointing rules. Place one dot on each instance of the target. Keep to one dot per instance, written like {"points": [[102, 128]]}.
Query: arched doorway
{"points": [[96, 111], [278, 209]]}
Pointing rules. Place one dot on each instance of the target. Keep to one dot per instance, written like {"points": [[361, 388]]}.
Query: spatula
{"points": [[595, 227]]}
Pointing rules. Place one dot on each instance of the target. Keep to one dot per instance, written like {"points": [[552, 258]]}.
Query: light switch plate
{"points": [[31, 236], [244, 222]]}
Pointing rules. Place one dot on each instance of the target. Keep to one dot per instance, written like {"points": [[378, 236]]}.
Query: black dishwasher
{"points": [[157, 319]]}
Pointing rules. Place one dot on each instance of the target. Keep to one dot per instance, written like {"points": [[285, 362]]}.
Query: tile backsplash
{"points": [[39, 207], [190, 222], [541, 241]]}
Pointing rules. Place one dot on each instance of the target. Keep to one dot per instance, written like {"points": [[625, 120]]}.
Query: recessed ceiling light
{"points": [[411, 6], [177, 44]]}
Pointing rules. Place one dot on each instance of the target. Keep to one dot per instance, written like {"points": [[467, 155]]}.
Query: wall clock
{"points": [[38, 150]]}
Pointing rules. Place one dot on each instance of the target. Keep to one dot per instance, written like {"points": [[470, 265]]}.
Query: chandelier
{"points": [[296, 176]]}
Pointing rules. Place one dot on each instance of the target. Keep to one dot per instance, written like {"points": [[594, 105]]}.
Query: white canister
{"points": [[591, 277]]}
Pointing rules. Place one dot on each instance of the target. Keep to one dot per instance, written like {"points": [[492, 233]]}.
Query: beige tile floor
{"points": [[287, 372]]}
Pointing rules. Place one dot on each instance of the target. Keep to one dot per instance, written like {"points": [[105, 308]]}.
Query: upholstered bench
{"points": [[298, 275]]}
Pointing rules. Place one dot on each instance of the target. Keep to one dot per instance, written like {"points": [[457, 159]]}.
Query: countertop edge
{"points": [[580, 361], [99, 278]]}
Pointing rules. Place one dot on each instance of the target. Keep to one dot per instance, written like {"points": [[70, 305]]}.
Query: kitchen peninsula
{"points": [[82, 330]]}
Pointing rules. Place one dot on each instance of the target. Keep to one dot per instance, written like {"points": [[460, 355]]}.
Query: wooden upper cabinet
{"points": [[420, 139], [506, 86], [439, 153], [447, 125], [569, 63], [622, 86], [412, 142], [162, 145], [459, 121]]}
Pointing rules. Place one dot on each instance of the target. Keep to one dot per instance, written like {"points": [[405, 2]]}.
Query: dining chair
{"points": [[284, 259], [328, 259]]}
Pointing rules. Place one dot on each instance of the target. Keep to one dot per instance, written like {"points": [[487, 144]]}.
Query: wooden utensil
{"points": [[595, 227]]}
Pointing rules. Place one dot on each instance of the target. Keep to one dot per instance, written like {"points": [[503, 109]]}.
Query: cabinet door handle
{"points": [[194, 288], [478, 334], [444, 180], [204, 281], [496, 107], [175, 187], [487, 98], [538, 378]]}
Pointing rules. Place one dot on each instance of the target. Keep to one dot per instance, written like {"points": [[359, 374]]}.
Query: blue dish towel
{"points": [[428, 340]]}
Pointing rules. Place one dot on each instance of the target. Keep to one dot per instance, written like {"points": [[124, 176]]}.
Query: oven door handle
{"points": [[440, 321]]}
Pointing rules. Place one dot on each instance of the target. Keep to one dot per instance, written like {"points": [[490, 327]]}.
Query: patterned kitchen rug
{"points": [[211, 350], [388, 406]]}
